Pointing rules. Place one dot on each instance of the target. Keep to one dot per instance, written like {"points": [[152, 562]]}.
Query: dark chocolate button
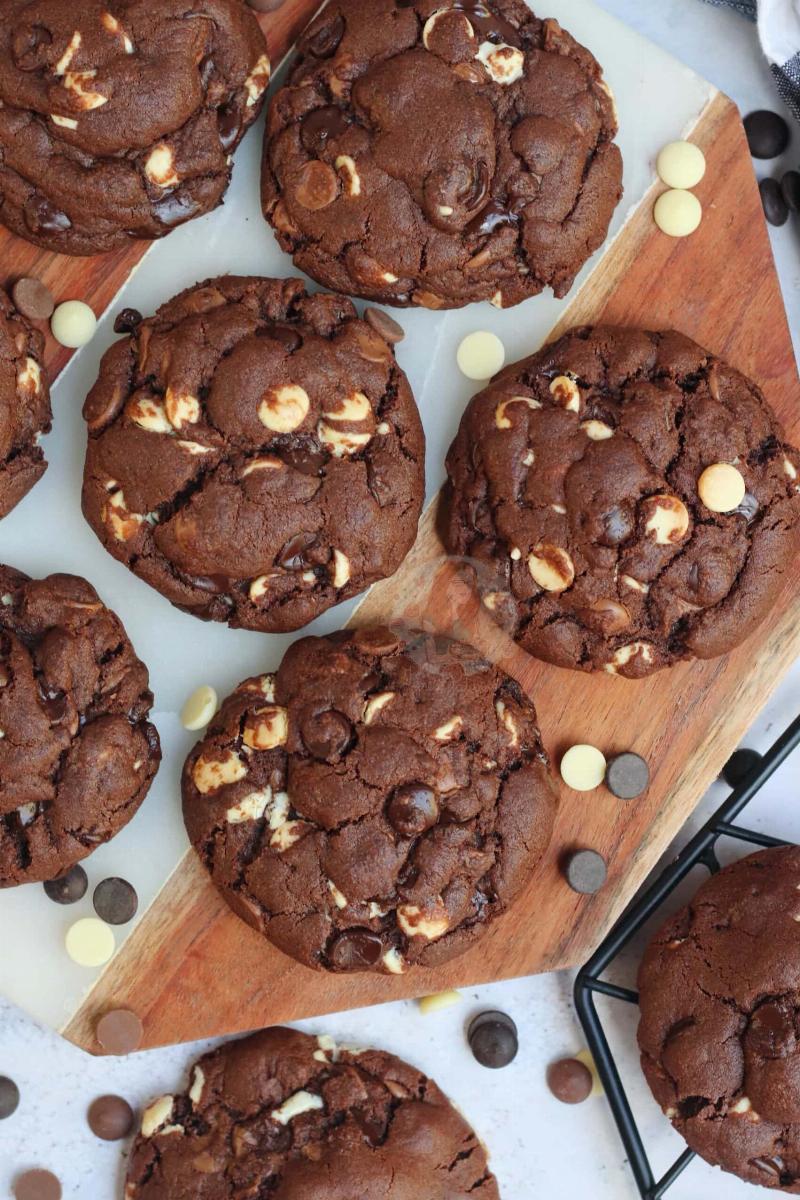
{"points": [[9, 1097], [355, 950], [767, 133], [790, 187], [585, 871], [570, 1081], [775, 207], [37, 1185], [320, 125], [69, 888], [128, 320], [115, 901], [384, 325], [327, 735], [110, 1118], [493, 1039], [739, 766], [412, 809], [627, 775], [33, 299], [119, 1031]]}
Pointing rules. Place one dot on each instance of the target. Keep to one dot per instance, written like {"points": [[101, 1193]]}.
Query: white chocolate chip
{"points": [[123, 523], [583, 768], [624, 654], [199, 708], [30, 379], [267, 463], [516, 554], [529, 458], [374, 705], [160, 167], [504, 422], [111, 23], [287, 834], [721, 487], [327, 1050], [195, 448], [341, 569], [635, 584], [492, 600], [449, 730], [63, 122], [211, 774], [73, 324], [667, 519], [90, 942], [438, 1001], [182, 408], [250, 808], [433, 20], [416, 922], [505, 64], [27, 812], [384, 428], [148, 413], [77, 82], [446, 210], [551, 567], [481, 355], [269, 729], [301, 1102], [790, 469], [260, 586], [198, 1082], [567, 393], [677, 213], [157, 1115], [681, 165], [558, 508], [348, 171], [509, 723], [375, 911], [284, 409], [742, 1105], [339, 442], [258, 80], [66, 58], [394, 962], [497, 299], [338, 899], [598, 431], [355, 407]]}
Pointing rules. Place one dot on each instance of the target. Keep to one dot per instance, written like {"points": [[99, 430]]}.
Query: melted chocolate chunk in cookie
{"points": [[255, 454], [371, 807], [634, 493], [440, 152], [24, 405]]}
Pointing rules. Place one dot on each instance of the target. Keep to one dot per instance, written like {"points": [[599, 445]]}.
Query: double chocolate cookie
{"points": [[285, 1115], [255, 453], [719, 990], [118, 117], [24, 405], [436, 152], [77, 752], [633, 495], [376, 804]]}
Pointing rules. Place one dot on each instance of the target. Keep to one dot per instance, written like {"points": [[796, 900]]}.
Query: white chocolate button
{"points": [[677, 213], [199, 708], [73, 324], [90, 942], [440, 1000], [583, 768], [681, 164], [481, 355], [721, 487]]}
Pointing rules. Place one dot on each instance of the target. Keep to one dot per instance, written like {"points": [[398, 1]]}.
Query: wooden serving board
{"points": [[191, 969]]}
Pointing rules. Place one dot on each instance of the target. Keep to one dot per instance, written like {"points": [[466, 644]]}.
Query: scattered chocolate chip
{"points": [[775, 207], [33, 299], [115, 901], [119, 1031], [383, 324], [69, 888], [790, 187], [570, 1081], [9, 1097], [585, 871], [326, 735], [493, 1039], [356, 950], [37, 1185], [739, 766], [128, 320], [412, 809], [110, 1118], [627, 775], [320, 125], [767, 133]]}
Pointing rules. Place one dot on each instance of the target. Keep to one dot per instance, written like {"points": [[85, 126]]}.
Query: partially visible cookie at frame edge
{"points": [[77, 752], [719, 995], [118, 119], [24, 405], [597, 477], [283, 1114], [376, 804], [436, 153], [255, 453]]}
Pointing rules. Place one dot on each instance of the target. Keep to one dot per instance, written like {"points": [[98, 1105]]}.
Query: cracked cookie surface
{"points": [[583, 476], [77, 752], [24, 405], [438, 152], [285, 1115], [719, 992], [374, 805], [255, 453], [118, 117]]}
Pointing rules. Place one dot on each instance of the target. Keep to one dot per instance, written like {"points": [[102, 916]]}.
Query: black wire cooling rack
{"points": [[700, 851]]}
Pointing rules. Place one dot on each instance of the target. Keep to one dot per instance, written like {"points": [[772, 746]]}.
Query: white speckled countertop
{"points": [[539, 1148]]}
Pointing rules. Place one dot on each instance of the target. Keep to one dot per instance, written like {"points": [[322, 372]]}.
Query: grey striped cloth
{"points": [[779, 31]]}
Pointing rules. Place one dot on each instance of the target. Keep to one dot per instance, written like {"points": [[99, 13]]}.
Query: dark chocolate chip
{"points": [[412, 809], [37, 1185], [295, 554], [115, 901], [790, 187], [69, 888], [739, 766], [110, 1118], [585, 871], [493, 1039], [355, 950], [326, 735], [128, 320], [384, 325], [775, 207], [320, 125], [33, 299], [570, 1081], [767, 133], [627, 775], [9, 1097], [324, 41], [119, 1031]]}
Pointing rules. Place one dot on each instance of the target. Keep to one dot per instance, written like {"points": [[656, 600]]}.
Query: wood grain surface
{"points": [[191, 969]]}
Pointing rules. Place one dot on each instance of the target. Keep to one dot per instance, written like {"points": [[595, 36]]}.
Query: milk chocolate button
{"points": [[493, 1039], [767, 133], [9, 1097], [37, 1185], [326, 735], [721, 487], [355, 950], [119, 1031], [585, 871], [741, 764], [412, 809], [110, 1118], [33, 299], [69, 888], [115, 901], [569, 1081], [384, 325], [317, 186], [628, 775]]}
